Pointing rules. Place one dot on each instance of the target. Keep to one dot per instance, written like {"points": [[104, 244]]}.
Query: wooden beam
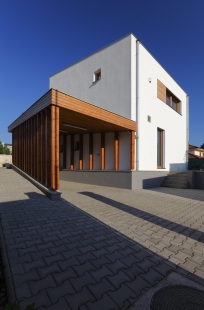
{"points": [[102, 151], [64, 151], [132, 150], [81, 151], [72, 153], [116, 151], [90, 151]]}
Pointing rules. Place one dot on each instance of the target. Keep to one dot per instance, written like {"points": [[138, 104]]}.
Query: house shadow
{"points": [[154, 219], [194, 194], [84, 245]]}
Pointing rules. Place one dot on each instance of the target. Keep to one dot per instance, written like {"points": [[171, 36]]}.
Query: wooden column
{"points": [[116, 151], [48, 158], [53, 152], [132, 150], [39, 148], [36, 147], [102, 151], [90, 151], [24, 154], [44, 148], [55, 147], [29, 147], [72, 153], [81, 151], [57, 175], [64, 151]]}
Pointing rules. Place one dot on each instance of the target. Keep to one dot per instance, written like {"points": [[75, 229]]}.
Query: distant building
{"points": [[195, 152], [9, 146]]}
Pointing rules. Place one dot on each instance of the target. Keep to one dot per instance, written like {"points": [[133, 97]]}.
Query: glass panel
{"points": [[173, 104], [158, 148], [167, 99]]}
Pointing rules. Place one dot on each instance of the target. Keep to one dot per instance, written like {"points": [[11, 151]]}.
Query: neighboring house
{"points": [[195, 152], [9, 146], [114, 118]]}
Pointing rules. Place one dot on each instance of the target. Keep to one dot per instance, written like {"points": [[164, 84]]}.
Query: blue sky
{"points": [[41, 37]]}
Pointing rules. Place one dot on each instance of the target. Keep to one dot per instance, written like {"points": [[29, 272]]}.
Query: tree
{"points": [[4, 149], [202, 146]]}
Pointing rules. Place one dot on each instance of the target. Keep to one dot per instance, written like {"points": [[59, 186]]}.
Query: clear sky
{"points": [[40, 37]]}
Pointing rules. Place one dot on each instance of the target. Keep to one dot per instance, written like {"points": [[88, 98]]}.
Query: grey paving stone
{"points": [[68, 263], [33, 265], [81, 269], [60, 305], [79, 299], [38, 255], [60, 291], [101, 273], [23, 291], [26, 277], [100, 288], [37, 286], [118, 279], [53, 258], [79, 282], [44, 271], [120, 295], [152, 276], [60, 277], [40, 300], [104, 303]]}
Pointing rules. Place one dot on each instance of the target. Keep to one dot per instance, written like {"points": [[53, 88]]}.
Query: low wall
{"points": [[119, 179], [5, 159], [147, 179], [195, 179]]}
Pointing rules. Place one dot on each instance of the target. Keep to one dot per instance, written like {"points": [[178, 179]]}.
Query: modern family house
{"points": [[114, 118]]}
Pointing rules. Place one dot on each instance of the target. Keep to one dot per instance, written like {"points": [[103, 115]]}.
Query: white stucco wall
{"points": [[162, 116], [68, 153], [113, 92], [86, 152], [109, 151]]}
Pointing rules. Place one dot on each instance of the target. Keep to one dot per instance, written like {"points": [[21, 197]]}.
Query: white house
{"points": [[114, 118], [126, 79]]}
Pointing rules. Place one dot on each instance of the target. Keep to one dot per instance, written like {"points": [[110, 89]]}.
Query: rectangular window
{"points": [[160, 148], [97, 76], [168, 97]]}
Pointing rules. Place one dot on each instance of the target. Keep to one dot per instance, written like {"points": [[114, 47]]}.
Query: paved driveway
{"points": [[98, 248]]}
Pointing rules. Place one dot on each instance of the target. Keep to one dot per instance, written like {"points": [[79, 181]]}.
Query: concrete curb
{"points": [[52, 194], [7, 272]]}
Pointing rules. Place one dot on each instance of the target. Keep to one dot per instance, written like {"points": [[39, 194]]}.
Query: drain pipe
{"points": [[187, 130], [137, 103]]}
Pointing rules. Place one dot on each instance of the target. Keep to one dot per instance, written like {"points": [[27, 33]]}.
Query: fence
{"points": [[196, 164]]}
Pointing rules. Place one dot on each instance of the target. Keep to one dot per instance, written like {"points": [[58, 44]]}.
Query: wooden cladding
{"points": [[161, 91], [167, 97], [93, 119], [36, 147]]}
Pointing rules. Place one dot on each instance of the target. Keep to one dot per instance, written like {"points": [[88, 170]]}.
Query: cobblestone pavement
{"points": [[97, 248]]}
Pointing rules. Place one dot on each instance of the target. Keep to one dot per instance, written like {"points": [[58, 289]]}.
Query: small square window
{"points": [[149, 119], [97, 75]]}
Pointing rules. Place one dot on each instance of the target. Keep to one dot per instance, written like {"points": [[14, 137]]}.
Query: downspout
{"points": [[187, 129], [137, 103]]}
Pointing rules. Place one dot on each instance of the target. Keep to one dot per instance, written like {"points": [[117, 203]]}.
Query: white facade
{"points": [[128, 86]]}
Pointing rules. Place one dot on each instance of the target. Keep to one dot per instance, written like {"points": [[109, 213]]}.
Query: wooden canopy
{"points": [[35, 134]]}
